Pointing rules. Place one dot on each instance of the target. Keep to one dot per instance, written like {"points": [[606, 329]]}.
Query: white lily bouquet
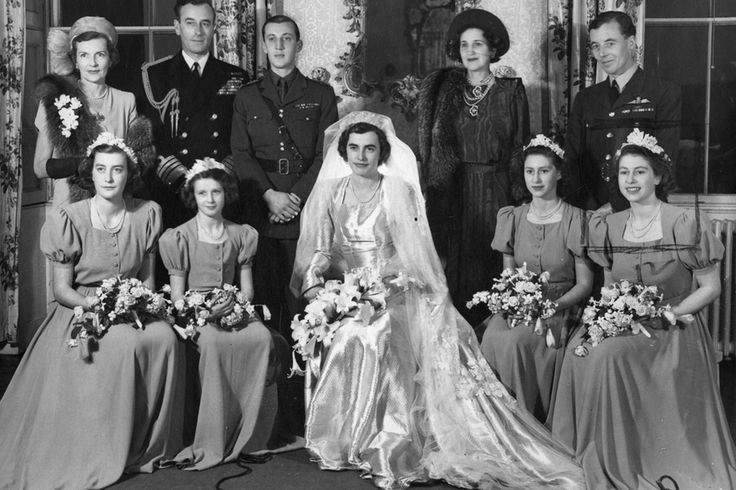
{"points": [[361, 295], [194, 310], [118, 301], [620, 310], [518, 295]]}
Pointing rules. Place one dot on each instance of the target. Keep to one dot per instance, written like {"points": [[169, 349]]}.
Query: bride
{"points": [[409, 397]]}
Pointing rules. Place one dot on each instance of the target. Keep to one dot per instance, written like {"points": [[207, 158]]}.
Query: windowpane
{"points": [[685, 64], [668, 9], [120, 13], [163, 12], [725, 8], [126, 74], [165, 44], [722, 163]]}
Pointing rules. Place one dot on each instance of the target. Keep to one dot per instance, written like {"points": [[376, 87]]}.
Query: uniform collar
{"points": [[624, 78], [190, 61]]}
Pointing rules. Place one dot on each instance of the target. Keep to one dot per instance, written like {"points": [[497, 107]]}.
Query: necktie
{"points": [[195, 70], [613, 92], [281, 86]]}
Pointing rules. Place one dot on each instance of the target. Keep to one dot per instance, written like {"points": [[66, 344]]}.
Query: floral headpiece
{"points": [[202, 166], [110, 139], [542, 140], [639, 138]]}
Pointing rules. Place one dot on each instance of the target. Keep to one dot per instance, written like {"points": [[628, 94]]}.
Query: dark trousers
{"points": [[272, 274]]}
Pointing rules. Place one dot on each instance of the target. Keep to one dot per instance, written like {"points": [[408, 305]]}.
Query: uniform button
{"points": [[214, 152], [215, 134], [611, 114], [307, 118], [185, 151], [607, 179], [213, 116], [608, 157], [184, 134], [281, 111], [609, 135]]}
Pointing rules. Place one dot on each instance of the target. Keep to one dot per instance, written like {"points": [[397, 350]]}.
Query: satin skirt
{"points": [[402, 401]]}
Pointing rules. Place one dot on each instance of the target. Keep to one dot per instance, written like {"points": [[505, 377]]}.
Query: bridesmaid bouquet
{"points": [[193, 311], [360, 295], [621, 309], [518, 295], [118, 300]]}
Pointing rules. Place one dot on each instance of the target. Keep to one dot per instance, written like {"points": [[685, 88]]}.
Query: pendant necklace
{"points": [[114, 229], [373, 193], [208, 235], [548, 215], [474, 94]]}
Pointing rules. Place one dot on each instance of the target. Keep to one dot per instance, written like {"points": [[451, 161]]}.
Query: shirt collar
{"points": [[190, 61], [289, 78], [623, 78]]}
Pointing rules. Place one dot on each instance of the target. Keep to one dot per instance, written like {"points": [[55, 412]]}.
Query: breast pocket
{"points": [[261, 126]]}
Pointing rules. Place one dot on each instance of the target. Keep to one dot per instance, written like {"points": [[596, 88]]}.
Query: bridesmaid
{"points": [[67, 423], [546, 234], [637, 408], [205, 253]]}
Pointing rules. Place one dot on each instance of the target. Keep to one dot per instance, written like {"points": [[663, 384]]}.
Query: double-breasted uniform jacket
{"points": [[264, 158], [192, 120], [596, 129]]}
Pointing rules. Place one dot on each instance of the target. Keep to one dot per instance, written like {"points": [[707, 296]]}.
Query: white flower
{"points": [[67, 107]]}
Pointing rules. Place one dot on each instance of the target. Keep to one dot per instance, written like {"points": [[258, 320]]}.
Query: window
{"points": [[694, 44], [145, 31]]}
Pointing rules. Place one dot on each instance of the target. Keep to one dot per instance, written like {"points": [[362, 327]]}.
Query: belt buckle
{"points": [[283, 166]]}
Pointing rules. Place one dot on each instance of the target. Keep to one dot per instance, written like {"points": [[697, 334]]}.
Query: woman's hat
{"points": [[481, 19], [94, 24]]}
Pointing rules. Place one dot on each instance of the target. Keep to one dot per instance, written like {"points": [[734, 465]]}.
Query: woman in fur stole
{"points": [[472, 124], [76, 104]]}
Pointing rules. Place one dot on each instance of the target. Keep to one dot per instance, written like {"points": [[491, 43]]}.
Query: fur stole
{"points": [[48, 88], [439, 105]]}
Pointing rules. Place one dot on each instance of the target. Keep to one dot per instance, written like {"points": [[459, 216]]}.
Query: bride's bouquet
{"points": [[194, 310], [360, 296], [621, 309], [118, 301], [518, 295]]}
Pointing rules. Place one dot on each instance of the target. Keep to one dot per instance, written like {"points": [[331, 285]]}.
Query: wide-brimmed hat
{"points": [[94, 24], [481, 19]]}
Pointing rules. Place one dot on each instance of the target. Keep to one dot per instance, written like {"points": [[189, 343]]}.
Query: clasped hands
{"points": [[282, 206]]}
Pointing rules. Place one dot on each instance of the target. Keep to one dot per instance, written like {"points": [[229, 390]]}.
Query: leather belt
{"points": [[284, 166]]}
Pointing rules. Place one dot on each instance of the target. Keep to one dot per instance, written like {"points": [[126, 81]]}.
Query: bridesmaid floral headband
{"points": [[110, 139], [202, 166], [639, 138], [542, 140]]}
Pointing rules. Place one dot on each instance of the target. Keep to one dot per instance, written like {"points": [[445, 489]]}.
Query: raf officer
{"points": [[604, 114], [277, 134], [189, 96]]}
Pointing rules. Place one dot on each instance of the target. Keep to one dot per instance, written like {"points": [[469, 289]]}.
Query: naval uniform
{"points": [[597, 128], [266, 159], [192, 116]]}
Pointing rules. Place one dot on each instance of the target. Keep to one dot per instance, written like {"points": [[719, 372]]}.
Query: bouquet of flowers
{"points": [[360, 295], [518, 295], [67, 107], [118, 300], [193, 311], [621, 309]]}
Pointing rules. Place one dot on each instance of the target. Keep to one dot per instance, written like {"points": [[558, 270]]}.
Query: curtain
{"points": [[12, 16], [570, 66], [238, 23]]}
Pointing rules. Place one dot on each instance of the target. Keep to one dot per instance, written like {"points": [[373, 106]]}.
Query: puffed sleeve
{"points": [[503, 238], [598, 242], [697, 245], [153, 227], [248, 246], [577, 232], [174, 249], [60, 239]]}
